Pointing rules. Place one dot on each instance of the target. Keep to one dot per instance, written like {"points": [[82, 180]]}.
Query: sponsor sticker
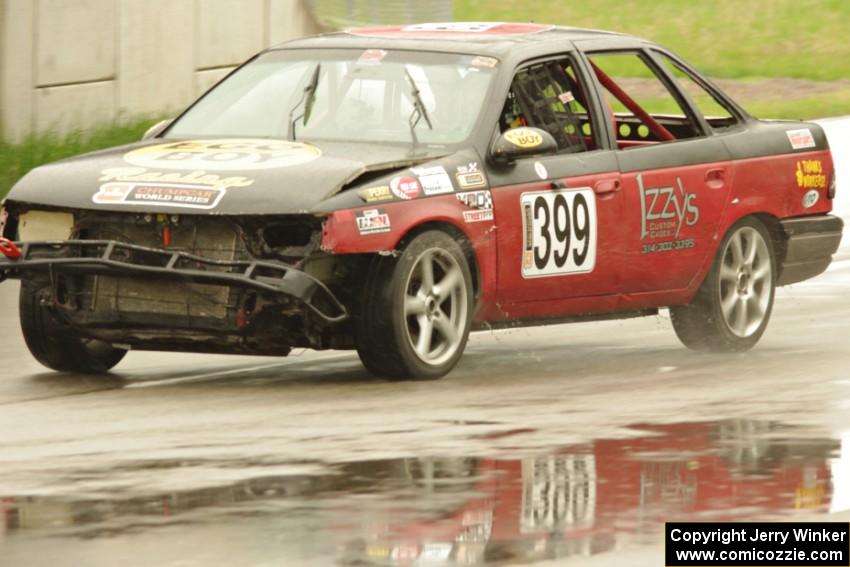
{"points": [[476, 199], [566, 97], [481, 202], [810, 199], [486, 62], [142, 175], [373, 221], [455, 27], [540, 170], [524, 137], [223, 155], [373, 194], [405, 552], [436, 552], [477, 216], [810, 174], [186, 196], [468, 176], [405, 187], [665, 211], [377, 551], [434, 180], [450, 28], [371, 57], [801, 139], [471, 180]]}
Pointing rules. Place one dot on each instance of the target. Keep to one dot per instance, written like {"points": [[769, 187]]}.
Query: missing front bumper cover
{"points": [[109, 257]]}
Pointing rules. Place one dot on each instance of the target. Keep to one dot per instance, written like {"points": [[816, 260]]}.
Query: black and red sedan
{"points": [[389, 189]]}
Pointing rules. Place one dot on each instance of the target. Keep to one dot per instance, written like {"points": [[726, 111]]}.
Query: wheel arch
{"points": [[701, 323], [774, 229], [771, 223], [445, 213], [777, 237]]}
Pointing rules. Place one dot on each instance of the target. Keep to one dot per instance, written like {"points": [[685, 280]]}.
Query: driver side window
{"points": [[550, 96]]}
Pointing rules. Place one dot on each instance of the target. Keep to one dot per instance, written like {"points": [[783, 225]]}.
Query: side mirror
{"points": [[522, 142], [157, 129]]}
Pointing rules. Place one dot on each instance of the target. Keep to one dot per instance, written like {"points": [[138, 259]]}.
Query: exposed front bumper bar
{"points": [[810, 244], [109, 257]]}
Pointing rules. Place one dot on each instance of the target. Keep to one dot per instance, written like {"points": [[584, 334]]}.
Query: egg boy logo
{"points": [[223, 155], [664, 210]]}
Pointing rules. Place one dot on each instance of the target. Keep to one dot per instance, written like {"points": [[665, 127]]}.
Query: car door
{"points": [[675, 173], [557, 216]]}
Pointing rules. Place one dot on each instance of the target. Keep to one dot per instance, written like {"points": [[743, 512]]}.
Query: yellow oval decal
{"points": [[223, 155], [524, 137]]}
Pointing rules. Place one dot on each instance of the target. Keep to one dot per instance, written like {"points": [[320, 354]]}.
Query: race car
{"points": [[389, 189]]}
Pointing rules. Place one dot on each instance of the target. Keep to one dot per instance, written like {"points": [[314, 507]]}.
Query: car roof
{"points": [[484, 38]]}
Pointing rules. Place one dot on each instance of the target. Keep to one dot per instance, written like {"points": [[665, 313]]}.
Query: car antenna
{"points": [[308, 97], [419, 110]]}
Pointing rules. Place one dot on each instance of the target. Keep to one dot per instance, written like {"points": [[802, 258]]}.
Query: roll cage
{"points": [[600, 117]]}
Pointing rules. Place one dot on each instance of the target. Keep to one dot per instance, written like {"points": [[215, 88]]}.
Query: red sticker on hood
{"points": [[405, 187]]}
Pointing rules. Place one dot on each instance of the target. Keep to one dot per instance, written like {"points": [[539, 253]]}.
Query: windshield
{"points": [[359, 96]]}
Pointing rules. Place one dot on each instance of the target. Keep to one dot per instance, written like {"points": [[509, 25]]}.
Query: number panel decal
{"points": [[559, 493], [559, 232]]}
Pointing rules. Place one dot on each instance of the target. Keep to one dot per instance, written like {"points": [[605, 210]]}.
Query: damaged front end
{"points": [[239, 285]]}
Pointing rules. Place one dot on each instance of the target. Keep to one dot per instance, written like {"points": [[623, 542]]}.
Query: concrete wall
{"points": [[68, 64]]}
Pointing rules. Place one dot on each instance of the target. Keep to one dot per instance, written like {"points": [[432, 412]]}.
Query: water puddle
{"points": [[575, 501]]}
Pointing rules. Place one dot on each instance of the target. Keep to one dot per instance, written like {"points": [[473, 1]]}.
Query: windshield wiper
{"points": [[419, 111], [308, 97]]}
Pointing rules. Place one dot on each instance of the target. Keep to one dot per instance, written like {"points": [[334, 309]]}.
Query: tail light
{"points": [[831, 191]]}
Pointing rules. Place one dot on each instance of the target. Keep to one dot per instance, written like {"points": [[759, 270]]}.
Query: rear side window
{"points": [[713, 109], [644, 108]]}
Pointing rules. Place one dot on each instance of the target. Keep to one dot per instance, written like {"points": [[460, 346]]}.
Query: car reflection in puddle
{"points": [[579, 500]]}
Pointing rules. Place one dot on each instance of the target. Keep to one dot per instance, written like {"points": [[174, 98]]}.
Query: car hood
{"points": [[222, 176]]}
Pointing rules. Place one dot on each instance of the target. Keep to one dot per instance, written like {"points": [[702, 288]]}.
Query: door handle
{"points": [[606, 186], [715, 178]]}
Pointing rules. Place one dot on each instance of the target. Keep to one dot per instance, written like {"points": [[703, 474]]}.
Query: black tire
{"points": [[389, 329], [713, 321], [56, 345]]}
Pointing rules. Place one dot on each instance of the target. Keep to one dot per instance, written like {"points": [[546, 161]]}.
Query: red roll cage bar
{"points": [[657, 128]]}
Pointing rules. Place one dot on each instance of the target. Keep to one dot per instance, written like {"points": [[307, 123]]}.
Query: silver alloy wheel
{"points": [[435, 306], [746, 282]]}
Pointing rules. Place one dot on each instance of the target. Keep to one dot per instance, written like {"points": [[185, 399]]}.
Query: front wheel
{"points": [[732, 307], [57, 346], [416, 312]]}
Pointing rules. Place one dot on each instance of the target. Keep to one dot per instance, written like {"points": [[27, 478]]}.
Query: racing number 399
{"points": [[559, 232]]}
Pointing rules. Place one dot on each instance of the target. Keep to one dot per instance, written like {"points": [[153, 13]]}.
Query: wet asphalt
{"points": [[561, 445], [557, 444]]}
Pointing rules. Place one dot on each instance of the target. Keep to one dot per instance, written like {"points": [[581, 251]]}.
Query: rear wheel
{"points": [[416, 311], [57, 346], [732, 307]]}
